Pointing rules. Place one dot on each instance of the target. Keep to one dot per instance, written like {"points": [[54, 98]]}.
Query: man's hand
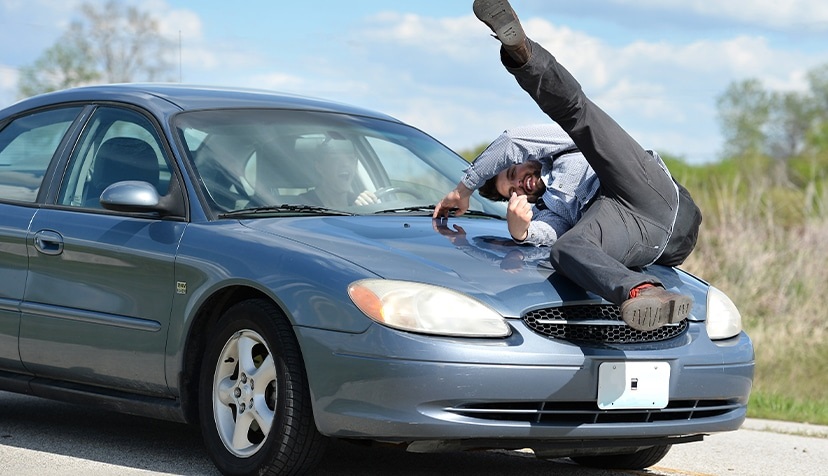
{"points": [[518, 216], [366, 198], [456, 199]]}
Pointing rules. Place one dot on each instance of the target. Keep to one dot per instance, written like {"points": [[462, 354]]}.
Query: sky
{"points": [[656, 66]]}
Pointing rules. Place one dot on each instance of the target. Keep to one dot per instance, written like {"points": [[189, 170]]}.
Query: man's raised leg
{"points": [[628, 174]]}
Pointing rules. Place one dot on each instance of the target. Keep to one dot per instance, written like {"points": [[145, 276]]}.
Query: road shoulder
{"points": [[785, 427]]}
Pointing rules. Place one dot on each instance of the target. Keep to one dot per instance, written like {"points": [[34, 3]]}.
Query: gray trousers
{"points": [[636, 218]]}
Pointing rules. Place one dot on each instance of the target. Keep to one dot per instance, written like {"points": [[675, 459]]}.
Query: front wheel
{"points": [[254, 404], [638, 460]]}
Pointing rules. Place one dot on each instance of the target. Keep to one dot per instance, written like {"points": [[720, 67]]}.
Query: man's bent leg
{"points": [[586, 264], [598, 252]]}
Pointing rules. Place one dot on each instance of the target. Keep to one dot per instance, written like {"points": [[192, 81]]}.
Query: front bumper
{"points": [[516, 392]]}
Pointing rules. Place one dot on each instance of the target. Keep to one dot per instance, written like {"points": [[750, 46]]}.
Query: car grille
{"points": [[595, 323], [580, 413]]}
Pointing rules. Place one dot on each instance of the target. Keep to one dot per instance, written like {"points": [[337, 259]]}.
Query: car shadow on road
{"points": [[139, 444]]}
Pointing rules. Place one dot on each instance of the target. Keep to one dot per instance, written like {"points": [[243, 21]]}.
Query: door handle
{"points": [[48, 242]]}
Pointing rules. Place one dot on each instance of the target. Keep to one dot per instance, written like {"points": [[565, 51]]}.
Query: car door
{"points": [[100, 283], [27, 145]]}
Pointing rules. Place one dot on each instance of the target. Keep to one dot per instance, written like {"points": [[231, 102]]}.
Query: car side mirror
{"points": [[133, 196]]}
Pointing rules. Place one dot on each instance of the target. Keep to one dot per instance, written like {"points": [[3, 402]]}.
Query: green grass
{"points": [[787, 408]]}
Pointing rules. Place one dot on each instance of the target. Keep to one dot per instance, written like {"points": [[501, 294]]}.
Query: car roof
{"points": [[190, 97]]}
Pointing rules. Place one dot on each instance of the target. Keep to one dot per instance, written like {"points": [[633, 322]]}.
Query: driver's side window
{"points": [[117, 145]]}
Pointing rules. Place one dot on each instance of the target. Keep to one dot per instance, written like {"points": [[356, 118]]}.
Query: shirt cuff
{"points": [[471, 180]]}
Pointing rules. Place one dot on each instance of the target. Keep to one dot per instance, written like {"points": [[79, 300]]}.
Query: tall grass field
{"points": [[764, 242]]}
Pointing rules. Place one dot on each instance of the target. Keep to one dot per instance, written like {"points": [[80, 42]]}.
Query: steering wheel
{"points": [[226, 189], [385, 191]]}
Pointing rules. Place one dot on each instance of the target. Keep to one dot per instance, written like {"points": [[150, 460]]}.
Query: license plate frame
{"points": [[633, 385]]}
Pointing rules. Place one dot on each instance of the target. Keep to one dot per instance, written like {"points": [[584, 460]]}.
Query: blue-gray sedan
{"points": [[266, 266]]}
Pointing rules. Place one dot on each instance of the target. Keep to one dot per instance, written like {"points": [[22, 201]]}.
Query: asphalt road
{"points": [[43, 438]]}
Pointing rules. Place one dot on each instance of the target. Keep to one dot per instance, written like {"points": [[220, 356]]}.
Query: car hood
{"points": [[471, 255]]}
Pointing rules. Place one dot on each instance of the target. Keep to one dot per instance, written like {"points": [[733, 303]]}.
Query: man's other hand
{"points": [[518, 216]]}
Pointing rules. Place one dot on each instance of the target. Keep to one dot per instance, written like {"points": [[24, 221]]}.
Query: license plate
{"points": [[628, 385]]}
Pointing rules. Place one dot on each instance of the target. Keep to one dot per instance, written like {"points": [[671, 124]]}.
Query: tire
{"points": [[254, 402], [638, 460]]}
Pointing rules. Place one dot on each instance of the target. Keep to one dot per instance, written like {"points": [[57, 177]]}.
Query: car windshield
{"points": [[307, 162]]}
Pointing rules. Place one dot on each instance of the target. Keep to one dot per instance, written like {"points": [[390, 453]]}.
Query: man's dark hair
{"points": [[489, 190]]}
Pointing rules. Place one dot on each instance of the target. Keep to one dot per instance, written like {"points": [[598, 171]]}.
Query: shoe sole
{"points": [[647, 313], [500, 17], [681, 309]]}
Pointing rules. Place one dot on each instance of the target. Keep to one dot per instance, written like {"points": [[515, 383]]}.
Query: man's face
{"points": [[337, 169], [522, 179]]}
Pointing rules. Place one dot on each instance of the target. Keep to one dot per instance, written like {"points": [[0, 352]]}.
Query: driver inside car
{"points": [[335, 163]]}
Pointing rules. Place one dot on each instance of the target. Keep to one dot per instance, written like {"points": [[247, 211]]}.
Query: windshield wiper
{"points": [[284, 208], [430, 209], [418, 208], [480, 213]]}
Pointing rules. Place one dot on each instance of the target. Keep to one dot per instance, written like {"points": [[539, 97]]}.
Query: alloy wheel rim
{"points": [[244, 393]]}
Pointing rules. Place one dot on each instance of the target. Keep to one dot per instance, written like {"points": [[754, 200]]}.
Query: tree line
{"points": [[778, 129]]}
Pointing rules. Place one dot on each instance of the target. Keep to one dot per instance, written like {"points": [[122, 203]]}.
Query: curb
{"points": [[786, 427]]}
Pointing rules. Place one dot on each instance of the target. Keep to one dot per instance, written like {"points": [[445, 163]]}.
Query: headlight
{"points": [[723, 319], [424, 308]]}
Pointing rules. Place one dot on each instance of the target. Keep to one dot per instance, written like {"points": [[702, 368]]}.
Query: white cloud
{"points": [[8, 76], [788, 14], [187, 23], [599, 64], [275, 81], [8, 85], [447, 37]]}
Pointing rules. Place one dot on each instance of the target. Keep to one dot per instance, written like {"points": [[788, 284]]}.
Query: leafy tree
{"points": [[818, 84], [110, 44], [744, 110], [62, 66], [818, 136], [778, 135], [790, 119], [472, 154]]}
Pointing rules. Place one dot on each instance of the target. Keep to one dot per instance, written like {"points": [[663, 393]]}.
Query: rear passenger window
{"points": [[27, 145]]}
